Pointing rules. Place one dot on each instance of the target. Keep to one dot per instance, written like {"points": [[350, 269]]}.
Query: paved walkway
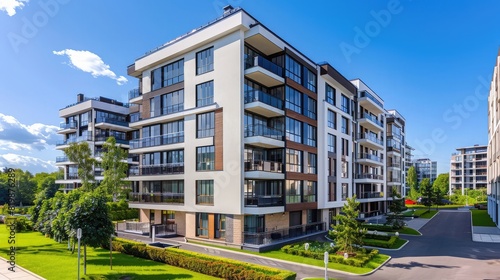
{"points": [[18, 274]]}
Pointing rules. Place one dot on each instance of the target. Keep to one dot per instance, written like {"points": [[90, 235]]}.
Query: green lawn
{"points": [[277, 254], [52, 260], [420, 206], [481, 218]]}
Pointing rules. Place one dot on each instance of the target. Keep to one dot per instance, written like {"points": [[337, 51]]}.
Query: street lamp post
{"points": [[79, 235]]}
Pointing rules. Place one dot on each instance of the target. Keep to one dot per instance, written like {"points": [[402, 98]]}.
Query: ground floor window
{"points": [[254, 223], [220, 226], [202, 224]]}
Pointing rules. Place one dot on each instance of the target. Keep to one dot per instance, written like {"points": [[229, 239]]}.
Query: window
{"points": [[345, 187], [205, 125], [310, 133], [293, 130], [254, 223], [205, 94], [202, 224], [344, 104], [205, 192], [309, 194], [345, 125], [173, 132], [309, 80], [332, 191], [345, 169], [293, 191], [167, 75], [311, 163], [330, 94], [309, 107], [205, 158], [293, 69], [293, 100], [167, 103], [293, 160], [332, 119], [332, 167], [332, 143], [345, 147], [205, 61]]}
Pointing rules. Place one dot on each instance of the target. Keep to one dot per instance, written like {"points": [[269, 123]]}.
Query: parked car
{"points": [[410, 202]]}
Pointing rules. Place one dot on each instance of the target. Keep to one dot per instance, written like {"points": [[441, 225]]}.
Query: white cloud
{"points": [[10, 6], [91, 63], [17, 136], [32, 164]]}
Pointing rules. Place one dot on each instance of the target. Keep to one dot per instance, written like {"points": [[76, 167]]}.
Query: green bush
{"points": [[378, 227], [378, 237], [209, 265], [21, 223], [381, 243]]}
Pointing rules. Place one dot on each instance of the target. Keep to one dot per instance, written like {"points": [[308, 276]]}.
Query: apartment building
{"points": [[408, 163], [493, 150], [425, 168], [92, 120], [396, 153], [468, 168], [369, 151]]}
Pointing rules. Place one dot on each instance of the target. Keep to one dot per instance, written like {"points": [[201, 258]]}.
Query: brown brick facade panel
{"points": [[293, 84], [300, 117], [301, 176], [218, 140], [301, 206], [301, 147]]}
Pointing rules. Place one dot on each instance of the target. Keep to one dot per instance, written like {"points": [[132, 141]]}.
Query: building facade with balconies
{"points": [[425, 168], [92, 120], [493, 149], [396, 153], [468, 168], [369, 151]]}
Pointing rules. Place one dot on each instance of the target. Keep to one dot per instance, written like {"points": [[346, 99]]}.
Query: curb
{"points": [[25, 270]]}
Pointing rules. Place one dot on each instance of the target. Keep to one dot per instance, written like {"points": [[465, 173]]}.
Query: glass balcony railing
{"points": [[369, 176], [165, 139], [135, 117], [369, 156], [371, 118], [264, 63], [260, 96], [262, 130], [372, 98], [103, 138], [263, 165], [69, 125], [157, 169], [264, 200], [74, 140], [62, 159], [370, 137], [133, 93], [111, 121], [157, 197], [251, 236], [362, 195]]}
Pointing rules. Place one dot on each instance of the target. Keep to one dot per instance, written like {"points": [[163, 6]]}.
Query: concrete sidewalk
{"points": [[18, 274]]}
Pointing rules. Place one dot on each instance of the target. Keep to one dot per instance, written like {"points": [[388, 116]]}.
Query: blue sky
{"points": [[430, 60]]}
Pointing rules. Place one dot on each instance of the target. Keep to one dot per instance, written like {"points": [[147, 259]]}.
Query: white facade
{"points": [[468, 168]]}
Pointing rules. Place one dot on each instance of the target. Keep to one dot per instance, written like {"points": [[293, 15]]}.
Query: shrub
{"points": [[209, 265], [21, 223], [381, 243]]}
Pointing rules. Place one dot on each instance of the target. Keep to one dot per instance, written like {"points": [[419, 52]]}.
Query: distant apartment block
{"points": [[408, 163], [468, 168], [90, 120], [493, 177], [396, 152], [425, 168]]}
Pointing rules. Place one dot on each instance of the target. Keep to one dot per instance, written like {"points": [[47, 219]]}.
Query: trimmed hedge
{"points": [[381, 243], [118, 215], [209, 265], [359, 260], [377, 237]]}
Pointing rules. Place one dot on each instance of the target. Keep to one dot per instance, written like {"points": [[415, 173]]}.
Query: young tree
{"points": [[442, 184], [427, 192], [115, 168], [81, 154], [395, 218], [411, 180], [348, 230]]}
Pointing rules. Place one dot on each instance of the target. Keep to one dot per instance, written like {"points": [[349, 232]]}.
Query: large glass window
{"points": [[254, 223], [293, 160], [330, 94], [205, 158], [345, 187], [293, 191], [293, 100], [345, 125], [344, 104], [293, 130], [293, 69], [312, 162], [310, 135], [205, 192], [205, 125], [172, 102], [332, 191], [167, 75], [332, 143], [309, 193], [332, 119], [309, 80], [345, 147], [156, 80], [202, 224], [205, 61], [309, 107], [205, 94]]}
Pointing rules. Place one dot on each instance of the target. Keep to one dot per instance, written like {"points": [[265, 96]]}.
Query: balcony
{"points": [[135, 96], [393, 181], [369, 159], [111, 123], [262, 169], [103, 138], [263, 71], [157, 169], [263, 201], [165, 139], [71, 176], [166, 197], [263, 104], [370, 122], [250, 237], [67, 127], [263, 136], [365, 195], [370, 140], [63, 143], [370, 102], [62, 159], [368, 177], [393, 165]]}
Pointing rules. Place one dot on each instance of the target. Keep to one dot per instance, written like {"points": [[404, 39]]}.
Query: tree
{"points": [[91, 214], [25, 188], [115, 168], [348, 230], [395, 218], [81, 154], [427, 192], [411, 180], [442, 184]]}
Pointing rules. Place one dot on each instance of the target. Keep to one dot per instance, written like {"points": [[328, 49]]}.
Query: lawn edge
{"points": [[25, 270]]}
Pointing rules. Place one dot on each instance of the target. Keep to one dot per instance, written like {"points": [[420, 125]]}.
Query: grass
{"points": [[404, 230], [481, 218], [420, 206], [409, 231], [52, 260], [277, 254]]}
